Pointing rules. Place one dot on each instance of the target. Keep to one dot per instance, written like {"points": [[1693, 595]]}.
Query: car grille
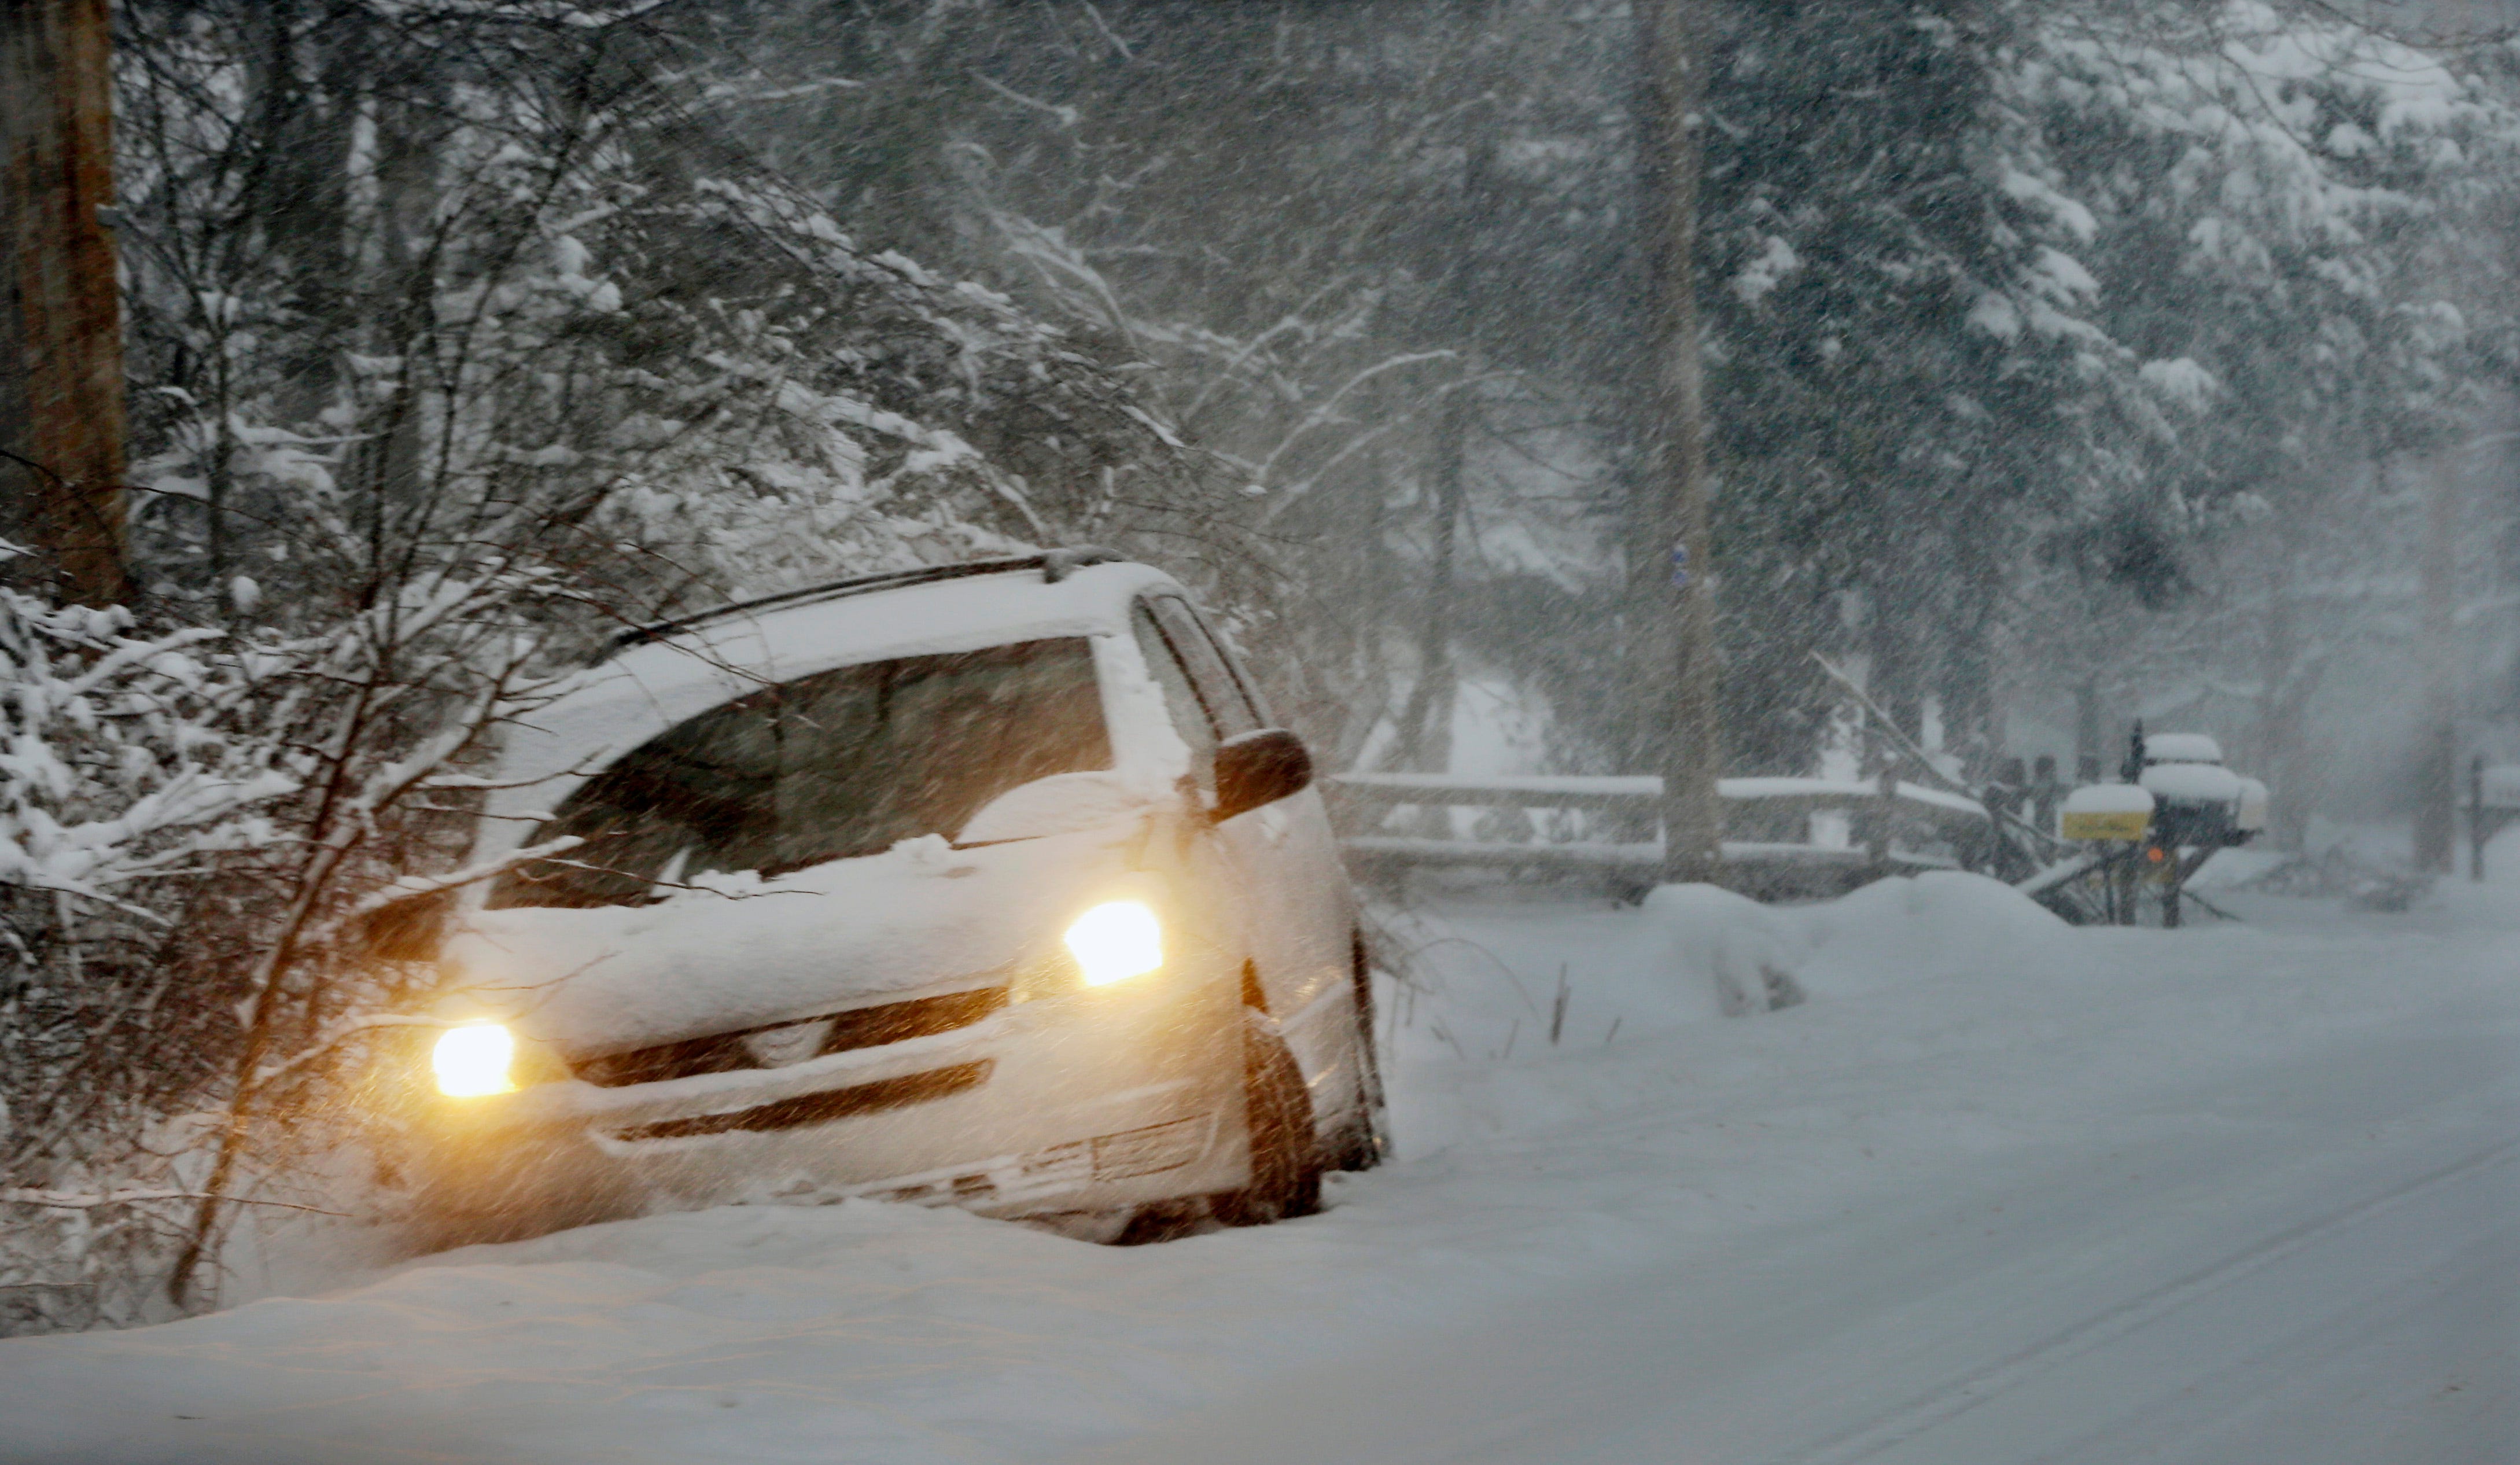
{"points": [[825, 1107], [725, 1052]]}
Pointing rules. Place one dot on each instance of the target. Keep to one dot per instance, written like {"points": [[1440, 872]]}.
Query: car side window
{"points": [[1181, 700], [1234, 665], [1221, 694]]}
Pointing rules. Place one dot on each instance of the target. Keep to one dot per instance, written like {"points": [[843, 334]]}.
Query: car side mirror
{"points": [[1257, 768]]}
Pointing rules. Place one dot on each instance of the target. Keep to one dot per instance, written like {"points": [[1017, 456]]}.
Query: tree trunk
{"points": [[1897, 678], [1972, 723], [1425, 735], [1678, 638], [61, 387], [2088, 731], [2281, 701], [1427, 723], [304, 196]]}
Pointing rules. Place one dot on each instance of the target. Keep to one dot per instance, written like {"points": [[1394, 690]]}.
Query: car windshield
{"points": [[843, 764]]}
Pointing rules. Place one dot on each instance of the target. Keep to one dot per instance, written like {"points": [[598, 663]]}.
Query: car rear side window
{"points": [[846, 763], [1228, 707], [1181, 700], [1234, 666]]}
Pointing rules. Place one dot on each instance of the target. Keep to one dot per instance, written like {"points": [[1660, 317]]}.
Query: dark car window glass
{"points": [[844, 763], [1219, 691]]}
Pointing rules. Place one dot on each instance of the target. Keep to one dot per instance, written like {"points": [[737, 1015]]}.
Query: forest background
{"points": [[2065, 363]]}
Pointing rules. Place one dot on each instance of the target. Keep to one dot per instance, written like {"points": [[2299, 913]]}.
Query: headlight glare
{"points": [[473, 1061], [1117, 941]]}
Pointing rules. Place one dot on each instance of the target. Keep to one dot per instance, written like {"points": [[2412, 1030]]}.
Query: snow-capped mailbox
{"points": [[2182, 748], [2194, 803], [2193, 784], [2106, 811]]}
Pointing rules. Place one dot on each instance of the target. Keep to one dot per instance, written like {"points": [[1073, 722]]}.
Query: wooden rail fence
{"points": [[1776, 828]]}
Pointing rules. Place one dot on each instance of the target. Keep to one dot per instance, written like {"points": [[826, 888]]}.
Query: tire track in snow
{"points": [[1888, 1431]]}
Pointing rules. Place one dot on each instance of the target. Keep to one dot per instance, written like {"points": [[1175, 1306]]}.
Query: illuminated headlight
{"points": [[1117, 941], [473, 1061]]}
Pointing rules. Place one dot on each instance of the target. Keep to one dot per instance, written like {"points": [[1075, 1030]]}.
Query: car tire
{"points": [[1286, 1170], [1364, 1140]]}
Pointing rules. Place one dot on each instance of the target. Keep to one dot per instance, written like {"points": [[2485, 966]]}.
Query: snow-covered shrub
{"points": [[194, 825], [129, 774]]}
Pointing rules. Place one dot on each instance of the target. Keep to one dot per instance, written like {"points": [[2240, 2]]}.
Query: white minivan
{"points": [[992, 885]]}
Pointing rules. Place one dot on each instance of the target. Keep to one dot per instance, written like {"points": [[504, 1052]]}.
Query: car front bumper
{"points": [[1085, 1101]]}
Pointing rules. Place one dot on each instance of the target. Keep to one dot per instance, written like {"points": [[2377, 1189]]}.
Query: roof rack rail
{"points": [[1055, 565]]}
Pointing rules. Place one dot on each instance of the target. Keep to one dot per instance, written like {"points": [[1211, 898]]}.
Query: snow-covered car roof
{"points": [[674, 673]]}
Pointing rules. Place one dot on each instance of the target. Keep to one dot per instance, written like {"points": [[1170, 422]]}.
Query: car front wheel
{"points": [[1286, 1172]]}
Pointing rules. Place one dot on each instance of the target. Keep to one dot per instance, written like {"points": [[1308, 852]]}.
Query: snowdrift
{"points": [[1494, 980]]}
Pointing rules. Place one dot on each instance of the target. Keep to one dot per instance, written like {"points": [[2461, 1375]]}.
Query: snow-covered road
{"points": [[1999, 1192], [2213, 1300]]}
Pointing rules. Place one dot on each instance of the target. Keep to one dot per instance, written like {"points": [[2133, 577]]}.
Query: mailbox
{"points": [[2106, 811]]}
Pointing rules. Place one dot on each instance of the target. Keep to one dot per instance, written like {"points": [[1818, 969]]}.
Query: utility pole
{"points": [[1670, 556], [2437, 765], [61, 328]]}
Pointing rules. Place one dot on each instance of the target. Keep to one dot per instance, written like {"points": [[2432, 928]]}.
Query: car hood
{"points": [[745, 952]]}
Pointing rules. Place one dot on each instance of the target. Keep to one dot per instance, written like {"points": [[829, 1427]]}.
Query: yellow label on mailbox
{"points": [[2128, 824]]}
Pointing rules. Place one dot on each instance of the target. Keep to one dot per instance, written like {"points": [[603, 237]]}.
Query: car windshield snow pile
{"points": [[847, 763]]}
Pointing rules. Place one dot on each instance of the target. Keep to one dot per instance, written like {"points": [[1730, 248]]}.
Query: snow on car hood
{"points": [[923, 917]]}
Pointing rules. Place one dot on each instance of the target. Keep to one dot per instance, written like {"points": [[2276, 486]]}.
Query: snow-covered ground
{"points": [[1998, 1191]]}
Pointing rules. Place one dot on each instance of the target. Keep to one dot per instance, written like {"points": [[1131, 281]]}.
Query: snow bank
{"points": [[1739, 954], [1939, 923], [1488, 979], [1523, 1015], [2491, 902], [2234, 869]]}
